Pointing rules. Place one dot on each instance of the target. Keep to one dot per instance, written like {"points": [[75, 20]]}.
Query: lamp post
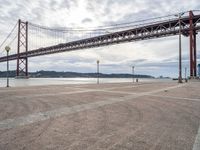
{"points": [[98, 71], [133, 73], [185, 74], [7, 48], [180, 49]]}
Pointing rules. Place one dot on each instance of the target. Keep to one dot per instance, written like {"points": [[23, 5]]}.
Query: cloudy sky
{"points": [[154, 57]]}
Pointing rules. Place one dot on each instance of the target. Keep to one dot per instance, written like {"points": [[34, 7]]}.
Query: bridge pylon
{"points": [[22, 46], [193, 53]]}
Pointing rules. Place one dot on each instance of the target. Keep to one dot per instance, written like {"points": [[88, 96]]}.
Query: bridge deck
{"points": [[106, 116]]}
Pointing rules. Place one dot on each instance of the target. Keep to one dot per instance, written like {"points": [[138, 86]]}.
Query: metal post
{"points": [[7, 48], [185, 74], [180, 55], [7, 70], [97, 71], [133, 73], [195, 54], [18, 47], [26, 48]]}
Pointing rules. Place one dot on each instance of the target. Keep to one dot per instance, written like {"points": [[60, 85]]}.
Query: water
{"points": [[59, 81]]}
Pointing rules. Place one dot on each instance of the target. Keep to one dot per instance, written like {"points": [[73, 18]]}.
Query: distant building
{"points": [[199, 70]]}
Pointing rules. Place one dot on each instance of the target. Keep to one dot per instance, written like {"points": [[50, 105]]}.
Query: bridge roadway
{"points": [[142, 32], [143, 116]]}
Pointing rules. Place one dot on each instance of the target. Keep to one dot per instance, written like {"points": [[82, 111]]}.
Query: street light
{"points": [[98, 71], [185, 74], [133, 73], [7, 48], [180, 57]]}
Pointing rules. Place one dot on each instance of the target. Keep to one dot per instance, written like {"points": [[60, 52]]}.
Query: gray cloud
{"points": [[86, 20]]}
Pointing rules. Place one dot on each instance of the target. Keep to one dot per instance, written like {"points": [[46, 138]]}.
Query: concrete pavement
{"points": [[143, 116]]}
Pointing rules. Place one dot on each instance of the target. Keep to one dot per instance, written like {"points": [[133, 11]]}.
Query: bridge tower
{"points": [[22, 46], [193, 55]]}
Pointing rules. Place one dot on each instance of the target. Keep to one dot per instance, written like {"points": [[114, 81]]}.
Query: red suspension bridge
{"points": [[30, 40]]}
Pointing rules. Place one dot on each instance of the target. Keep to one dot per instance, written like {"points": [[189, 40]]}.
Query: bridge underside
{"points": [[190, 26]]}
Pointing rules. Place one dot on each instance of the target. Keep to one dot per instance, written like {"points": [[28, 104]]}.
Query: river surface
{"points": [[59, 81]]}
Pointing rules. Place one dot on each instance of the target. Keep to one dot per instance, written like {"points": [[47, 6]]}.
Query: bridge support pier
{"points": [[22, 46], [193, 57]]}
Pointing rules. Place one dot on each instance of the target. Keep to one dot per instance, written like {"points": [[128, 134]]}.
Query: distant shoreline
{"points": [[54, 74]]}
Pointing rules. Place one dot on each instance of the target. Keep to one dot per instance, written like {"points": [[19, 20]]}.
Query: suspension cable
{"points": [[8, 35], [104, 28], [13, 40]]}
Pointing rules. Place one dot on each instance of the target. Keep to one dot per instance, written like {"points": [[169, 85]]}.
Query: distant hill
{"points": [[54, 74]]}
